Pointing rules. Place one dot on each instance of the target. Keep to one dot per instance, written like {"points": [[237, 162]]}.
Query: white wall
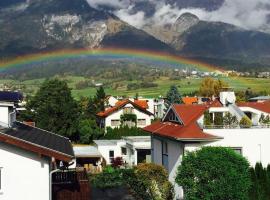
{"points": [[105, 149], [4, 116], [175, 154], [25, 175], [116, 116], [254, 142]]}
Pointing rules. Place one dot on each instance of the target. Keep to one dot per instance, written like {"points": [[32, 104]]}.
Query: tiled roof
{"points": [[189, 131], [190, 100], [142, 103], [121, 104], [262, 106], [189, 113], [38, 140]]}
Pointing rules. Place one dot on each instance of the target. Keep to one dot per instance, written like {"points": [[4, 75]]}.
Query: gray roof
{"points": [[86, 151], [260, 98], [39, 137], [107, 142]]}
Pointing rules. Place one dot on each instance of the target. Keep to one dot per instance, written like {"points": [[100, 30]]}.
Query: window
{"points": [[115, 122], [237, 150], [165, 161], [124, 150], [141, 122], [111, 154]]}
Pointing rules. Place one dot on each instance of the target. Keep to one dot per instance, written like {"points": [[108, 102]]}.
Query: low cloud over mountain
{"points": [[249, 14]]}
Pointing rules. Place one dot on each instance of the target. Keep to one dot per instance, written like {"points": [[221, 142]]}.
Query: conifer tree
{"points": [[173, 97]]}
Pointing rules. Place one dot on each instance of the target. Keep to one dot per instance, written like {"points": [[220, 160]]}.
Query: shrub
{"points": [[207, 120], [108, 178], [117, 162], [245, 122], [214, 173], [218, 119], [150, 182]]}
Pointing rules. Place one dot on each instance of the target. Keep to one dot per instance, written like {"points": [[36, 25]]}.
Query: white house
{"points": [[27, 157], [183, 129], [133, 150], [111, 117]]}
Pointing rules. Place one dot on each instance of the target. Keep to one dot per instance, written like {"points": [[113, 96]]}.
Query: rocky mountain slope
{"points": [[38, 25], [214, 41]]}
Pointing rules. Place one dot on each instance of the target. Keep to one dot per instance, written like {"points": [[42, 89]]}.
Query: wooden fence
{"points": [[71, 185]]}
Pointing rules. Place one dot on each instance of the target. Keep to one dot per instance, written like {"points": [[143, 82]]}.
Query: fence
{"points": [[71, 185]]}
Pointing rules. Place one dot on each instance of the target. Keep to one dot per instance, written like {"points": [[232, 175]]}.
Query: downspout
{"points": [[50, 181], [50, 178]]}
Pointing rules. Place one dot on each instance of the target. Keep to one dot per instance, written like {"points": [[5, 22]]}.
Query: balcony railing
{"points": [[235, 127]]}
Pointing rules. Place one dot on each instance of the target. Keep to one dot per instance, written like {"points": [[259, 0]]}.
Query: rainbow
{"points": [[103, 53]]}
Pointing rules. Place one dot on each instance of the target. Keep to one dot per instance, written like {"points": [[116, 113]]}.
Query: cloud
{"points": [[136, 19], [116, 4], [250, 14]]}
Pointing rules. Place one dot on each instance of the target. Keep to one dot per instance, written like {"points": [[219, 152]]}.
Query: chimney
{"points": [[227, 96]]}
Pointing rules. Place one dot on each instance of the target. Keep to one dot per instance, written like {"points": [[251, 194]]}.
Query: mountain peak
{"points": [[187, 16], [185, 21]]}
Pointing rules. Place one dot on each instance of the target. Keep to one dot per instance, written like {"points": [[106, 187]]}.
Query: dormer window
{"points": [[172, 117]]}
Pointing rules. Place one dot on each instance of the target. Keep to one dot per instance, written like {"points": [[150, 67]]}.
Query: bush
{"points": [[117, 162], [150, 182], [109, 178], [218, 119], [146, 181], [214, 173], [207, 120], [245, 122]]}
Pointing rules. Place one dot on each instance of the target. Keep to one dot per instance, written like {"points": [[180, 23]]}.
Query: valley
{"points": [[185, 86]]}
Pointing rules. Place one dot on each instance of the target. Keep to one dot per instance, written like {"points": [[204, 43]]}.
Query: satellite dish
{"points": [[231, 98]]}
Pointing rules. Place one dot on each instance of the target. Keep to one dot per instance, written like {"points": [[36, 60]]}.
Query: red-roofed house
{"points": [[182, 129], [111, 117], [190, 100]]}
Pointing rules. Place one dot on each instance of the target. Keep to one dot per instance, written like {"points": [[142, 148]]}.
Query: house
{"points": [[29, 156], [87, 156], [182, 129], [133, 149], [190, 100], [125, 112]]}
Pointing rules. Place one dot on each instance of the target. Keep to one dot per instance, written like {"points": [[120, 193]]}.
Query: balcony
{"points": [[235, 127]]}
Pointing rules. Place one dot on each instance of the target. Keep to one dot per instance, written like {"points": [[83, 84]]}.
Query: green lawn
{"points": [[185, 86]]}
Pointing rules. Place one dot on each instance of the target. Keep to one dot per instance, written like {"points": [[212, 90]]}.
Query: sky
{"points": [[249, 14]]}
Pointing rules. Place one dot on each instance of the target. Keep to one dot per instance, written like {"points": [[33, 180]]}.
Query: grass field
{"points": [[185, 86]]}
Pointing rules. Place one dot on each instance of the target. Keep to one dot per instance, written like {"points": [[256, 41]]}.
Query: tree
{"points": [[173, 97], [214, 173], [261, 181], [96, 104], [229, 120], [54, 109], [89, 131], [100, 99], [211, 87]]}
